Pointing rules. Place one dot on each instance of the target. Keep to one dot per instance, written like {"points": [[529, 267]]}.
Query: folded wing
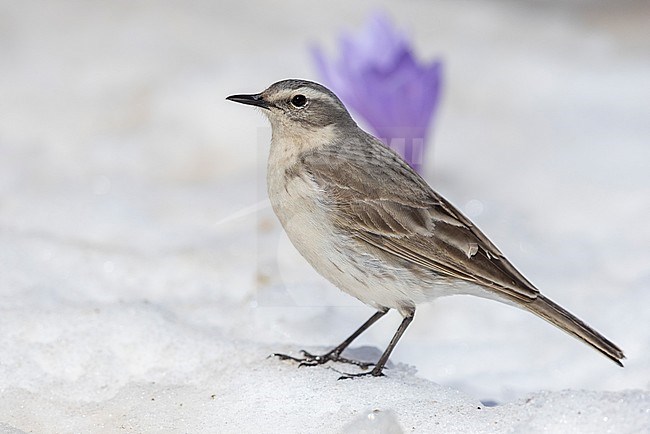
{"points": [[381, 201]]}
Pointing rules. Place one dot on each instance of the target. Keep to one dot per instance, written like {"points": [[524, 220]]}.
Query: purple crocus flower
{"points": [[378, 77]]}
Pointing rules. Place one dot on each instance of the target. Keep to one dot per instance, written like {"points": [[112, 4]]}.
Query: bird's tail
{"points": [[556, 315]]}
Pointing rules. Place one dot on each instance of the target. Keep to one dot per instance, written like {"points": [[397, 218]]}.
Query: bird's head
{"points": [[299, 106]]}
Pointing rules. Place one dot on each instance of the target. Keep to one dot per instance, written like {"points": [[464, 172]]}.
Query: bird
{"points": [[373, 227]]}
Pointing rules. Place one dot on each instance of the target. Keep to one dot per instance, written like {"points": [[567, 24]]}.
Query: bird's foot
{"points": [[315, 360], [374, 373]]}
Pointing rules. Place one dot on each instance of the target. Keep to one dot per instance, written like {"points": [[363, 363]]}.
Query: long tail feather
{"points": [[556, 315]]}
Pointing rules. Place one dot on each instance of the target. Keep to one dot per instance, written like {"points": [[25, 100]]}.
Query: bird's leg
{"points": [[379, 366], [335, 354]]}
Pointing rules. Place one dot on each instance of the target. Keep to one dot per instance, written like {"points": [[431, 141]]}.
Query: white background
{"points": [[144, 280]]}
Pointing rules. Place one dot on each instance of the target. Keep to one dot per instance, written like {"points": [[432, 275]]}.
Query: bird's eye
{"points": [[299, 101]]}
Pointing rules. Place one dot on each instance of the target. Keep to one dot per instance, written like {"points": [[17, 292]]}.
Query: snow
{"points": [[144, 280]]}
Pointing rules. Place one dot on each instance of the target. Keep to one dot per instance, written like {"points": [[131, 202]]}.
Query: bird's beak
{"points": [[255, 100]]}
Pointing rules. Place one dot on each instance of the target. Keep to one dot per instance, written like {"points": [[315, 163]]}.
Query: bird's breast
{"points": [[292, 193]]}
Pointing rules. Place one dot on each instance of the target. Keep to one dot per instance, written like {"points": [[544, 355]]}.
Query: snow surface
{"points": [[144, 280]]}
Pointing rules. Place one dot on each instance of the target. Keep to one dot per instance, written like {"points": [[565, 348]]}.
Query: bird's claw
{"points": [[315, 360], [373, 373], [284, 357]]}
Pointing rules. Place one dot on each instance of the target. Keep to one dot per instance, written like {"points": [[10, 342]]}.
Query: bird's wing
{"points": [[380, 200]]}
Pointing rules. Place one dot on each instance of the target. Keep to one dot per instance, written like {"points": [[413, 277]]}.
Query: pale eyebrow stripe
{"points": [[308, 92]]}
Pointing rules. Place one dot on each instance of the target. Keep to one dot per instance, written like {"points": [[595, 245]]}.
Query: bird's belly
{"points": [[353, 266]]}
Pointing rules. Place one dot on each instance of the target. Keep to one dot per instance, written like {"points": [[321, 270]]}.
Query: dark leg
{"points": [[379, 366], [335, 354]]}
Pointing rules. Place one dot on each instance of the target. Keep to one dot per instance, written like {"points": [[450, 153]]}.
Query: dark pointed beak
{"points": [[255, 100]]}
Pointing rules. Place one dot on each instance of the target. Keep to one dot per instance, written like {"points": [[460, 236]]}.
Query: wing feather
{"points": [[381, 201]]}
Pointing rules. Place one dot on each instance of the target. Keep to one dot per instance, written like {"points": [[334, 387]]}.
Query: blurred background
{"points": [[127, 182]]}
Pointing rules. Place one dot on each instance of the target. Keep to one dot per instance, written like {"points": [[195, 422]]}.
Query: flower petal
{"points": [[378, 77]]}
